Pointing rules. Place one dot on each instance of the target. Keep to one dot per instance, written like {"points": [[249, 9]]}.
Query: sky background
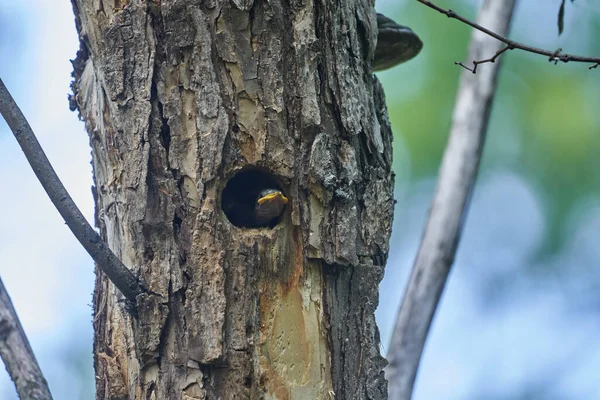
{"points": [[519, 316]]}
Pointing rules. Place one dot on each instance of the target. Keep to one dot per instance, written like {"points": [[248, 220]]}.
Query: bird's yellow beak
{"points": [[271, 197]]}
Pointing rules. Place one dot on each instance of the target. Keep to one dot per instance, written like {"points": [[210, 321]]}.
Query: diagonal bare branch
{"points": [[553, 55], [457, 175], [107, 261], [17, 354]]}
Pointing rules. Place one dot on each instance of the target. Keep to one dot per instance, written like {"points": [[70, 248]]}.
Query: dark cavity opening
{"points": [[240, 196]]}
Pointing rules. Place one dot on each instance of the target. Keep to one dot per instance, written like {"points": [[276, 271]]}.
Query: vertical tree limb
{"points": [[194, 108], [17, 354], [458, 172]]}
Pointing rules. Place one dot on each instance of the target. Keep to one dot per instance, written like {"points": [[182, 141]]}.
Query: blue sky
{"points": [[48, 275]]}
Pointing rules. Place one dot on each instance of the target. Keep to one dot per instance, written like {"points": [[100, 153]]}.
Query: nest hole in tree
{"points": [[241, 193]]}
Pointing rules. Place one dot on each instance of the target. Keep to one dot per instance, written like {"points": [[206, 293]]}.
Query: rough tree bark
{"points": [[179, 96]]}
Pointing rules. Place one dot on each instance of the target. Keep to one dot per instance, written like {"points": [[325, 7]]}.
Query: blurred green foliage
{"points": [[545, 121]]}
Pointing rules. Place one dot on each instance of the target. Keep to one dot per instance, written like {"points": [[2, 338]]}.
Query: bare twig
{"points": [[107, 261], [553, 56], [455, 183], [486, 60], [17, 354]]}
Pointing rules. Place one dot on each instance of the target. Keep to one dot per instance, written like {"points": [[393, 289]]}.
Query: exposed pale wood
{"points": [[177, 97]]}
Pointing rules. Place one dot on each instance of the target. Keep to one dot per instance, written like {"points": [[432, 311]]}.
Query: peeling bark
{"points": [[179, 96]]}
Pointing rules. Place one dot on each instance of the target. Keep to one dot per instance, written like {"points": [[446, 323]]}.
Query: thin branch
{"points": [[457, 175], [486, 60], [107, 261], [553, 56], [17, 354]]}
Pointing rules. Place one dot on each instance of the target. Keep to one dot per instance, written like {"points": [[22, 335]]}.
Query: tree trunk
{"points": [[181, 96]]}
